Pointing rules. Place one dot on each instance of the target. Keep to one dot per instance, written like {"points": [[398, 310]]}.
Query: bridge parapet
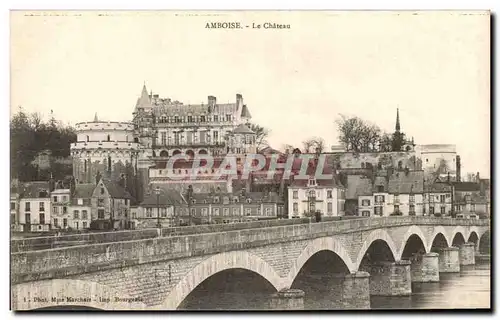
{"points": [[62, 262]]}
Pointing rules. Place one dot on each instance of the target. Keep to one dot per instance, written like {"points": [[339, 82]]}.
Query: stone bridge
{"points": [[358, 258]]}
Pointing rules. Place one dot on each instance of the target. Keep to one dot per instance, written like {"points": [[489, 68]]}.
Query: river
{"points": [[468, 289]]}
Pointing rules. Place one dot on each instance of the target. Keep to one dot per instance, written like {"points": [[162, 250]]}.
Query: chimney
{"points": [[458, 169], [239, 101], [212, 101], [477, 178]]}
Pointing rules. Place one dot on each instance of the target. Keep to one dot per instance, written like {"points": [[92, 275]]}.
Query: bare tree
{"points": [[314, 144], [357, 135], [261, 135]]}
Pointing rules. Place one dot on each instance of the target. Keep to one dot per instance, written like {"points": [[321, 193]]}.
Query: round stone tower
{"points": [[104, 149]]}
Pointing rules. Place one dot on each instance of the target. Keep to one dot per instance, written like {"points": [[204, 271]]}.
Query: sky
{"points": [[433, 66]]}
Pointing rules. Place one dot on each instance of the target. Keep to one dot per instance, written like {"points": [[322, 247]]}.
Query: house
{"points": [[306, 197], [242, 206], [159, 206], [60, 202], [14, 209], [34, 206], [110, 206], [437, 199], [389, 192], [81, 206], [471, 197], [359, 196]]}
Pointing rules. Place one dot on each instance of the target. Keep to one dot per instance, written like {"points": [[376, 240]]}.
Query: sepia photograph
{"points": [[250, 160]]}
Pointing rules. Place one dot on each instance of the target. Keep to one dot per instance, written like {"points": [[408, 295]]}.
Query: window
{"points": [[365, 202], [216, 199], [65, 223], [163, 138], [295, 194], [248, 211], [204, 212], [396, 198], [149, 212], [379, 199], [65, 198], [396, 208], [190, 119], [443, 209], [41, 206], [295, 207], [329, 207], [216, 136], [202, 119], [84, 214], [412, 198], [80, 201], [27, 218], [13, 218], [249, 200], [228, 117], [329, 194], [12, 206], [268, 212], [163, 212], [216, 211], [379, 211], [226, 211], [42, 218], [77, 225], [76, 214], [100, 202], [65, 210], [193, 211], [56, 222], [84, 224], [225, 200], [236, 211], [55, 210], [365, 213], [442, 198], [102, 190], [100, 214], [55, 198], [431, 210], [473, 207], [27, 207], [312, 182], [412, 208]]}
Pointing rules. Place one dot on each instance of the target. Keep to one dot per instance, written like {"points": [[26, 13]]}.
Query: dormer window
{"points": [[216, 199], [249, 200], [193, 201], [312, 182]]}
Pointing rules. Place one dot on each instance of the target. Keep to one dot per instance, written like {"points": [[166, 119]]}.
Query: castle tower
{"points": [[104, 148]]}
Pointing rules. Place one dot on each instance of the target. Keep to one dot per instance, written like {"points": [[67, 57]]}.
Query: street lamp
{"points": [[157, 192]]}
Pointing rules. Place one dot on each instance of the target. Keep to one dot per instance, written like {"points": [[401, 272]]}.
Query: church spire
{"points": [[398, 126]]}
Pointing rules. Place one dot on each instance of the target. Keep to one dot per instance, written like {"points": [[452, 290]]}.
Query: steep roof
{"points": [[115, 190], [33, 189], [244, 129], [467, 186], [166, 197], [406, 182], [245, 113], [358, 185], [144, 100], [84, 190], [437, 187]]}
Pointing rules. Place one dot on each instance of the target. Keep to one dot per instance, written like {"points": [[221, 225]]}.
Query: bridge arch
{"points": [[215, 264], [378, 234], [24, 294], [435, 233], [458, 232], [316, 245], [413, 230]]}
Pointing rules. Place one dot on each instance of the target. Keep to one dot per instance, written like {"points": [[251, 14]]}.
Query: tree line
{"points": [[29, 136]]}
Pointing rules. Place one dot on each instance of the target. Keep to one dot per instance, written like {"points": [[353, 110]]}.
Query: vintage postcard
{"points": [[239, 160]]}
